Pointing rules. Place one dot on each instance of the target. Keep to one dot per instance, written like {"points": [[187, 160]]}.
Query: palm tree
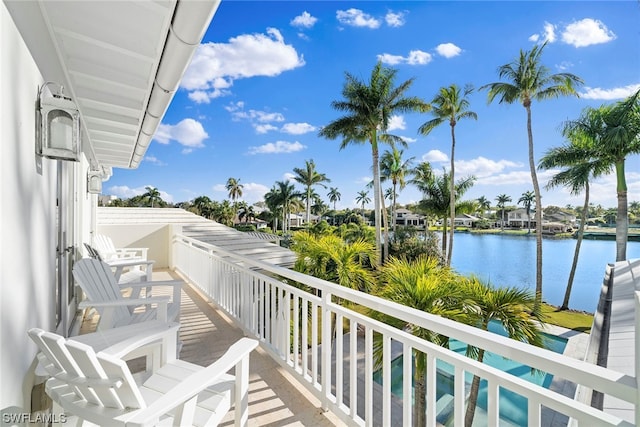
{"points": [[394, 169], [331, 258], [273, 201], [516, 309], [502, 199], [527, 199], [422, 284], [616, 133], [484, 204], [579, 170], [308, 176], [436, 202], [334, 196], [152, 195], [529, 80], [234, 188], [202, 204], [452, 105], [363, 199], [369, 107]]}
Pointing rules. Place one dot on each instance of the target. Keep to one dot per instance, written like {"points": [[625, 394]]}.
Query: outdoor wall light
{"points": [[60, 126], [94, 181]]}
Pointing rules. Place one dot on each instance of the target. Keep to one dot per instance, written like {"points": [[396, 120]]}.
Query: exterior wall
{"points": [[27, 220], [156, 237]]}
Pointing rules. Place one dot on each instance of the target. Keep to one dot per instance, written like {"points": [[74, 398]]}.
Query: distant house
{"points": [[562, 217], [551, 227], [465, 220], [407, 218], [518, 218]]}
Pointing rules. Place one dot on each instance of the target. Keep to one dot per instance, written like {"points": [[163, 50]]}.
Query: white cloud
{"points": [[394, 19], [396, 122], [257, 116], [297, 128], [518, 177], [548, 34], [435, 156], [482, 167], [251, 191], [288, 176], [262, 129], [357, 18], [220, 188], [415, 57], [408, 140], [587, 32], [387, 58], [448, 50], [364, 180], [154, 160], [216, 65], [305, 20], [277, 147], [564, 66], [609, 94], [126, 192], [188, 132]]}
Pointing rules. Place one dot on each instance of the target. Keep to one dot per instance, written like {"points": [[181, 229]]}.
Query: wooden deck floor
{"points": [[275, 399]]}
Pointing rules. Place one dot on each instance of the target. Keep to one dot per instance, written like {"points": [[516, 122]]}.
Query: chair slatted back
{"points": [[98, 379], [105, 246], [99, 284]]}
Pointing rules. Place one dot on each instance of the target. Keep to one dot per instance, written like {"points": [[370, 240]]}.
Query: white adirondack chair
{"points": [[105, 295], [126, 270], [100, 388], [108, 251]]}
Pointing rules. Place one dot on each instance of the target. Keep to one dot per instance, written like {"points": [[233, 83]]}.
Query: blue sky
{"points": [[261, 85]]}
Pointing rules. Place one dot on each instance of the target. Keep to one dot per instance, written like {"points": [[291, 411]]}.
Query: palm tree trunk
{"points": [[622, 219], [385, 222], [444, 237], [473, 395], [420, 389], [536, 190], [393, 209], [574, 264], [376, 195], [502, 222], [452, 196], [308, 205]]}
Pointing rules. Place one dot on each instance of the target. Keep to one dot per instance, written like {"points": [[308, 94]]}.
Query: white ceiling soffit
{"points": [[123, 61]]}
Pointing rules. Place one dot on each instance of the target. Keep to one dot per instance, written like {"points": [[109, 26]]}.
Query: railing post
{"points": [[637, 357], [326, 350]]}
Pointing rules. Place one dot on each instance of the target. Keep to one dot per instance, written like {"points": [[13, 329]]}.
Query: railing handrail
{"points": [[609, 382]]}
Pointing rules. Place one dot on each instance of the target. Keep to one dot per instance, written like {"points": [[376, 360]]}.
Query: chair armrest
{"points": [[152, 284], [120, 341], [129, 262], [194, 383], [125, 302]]}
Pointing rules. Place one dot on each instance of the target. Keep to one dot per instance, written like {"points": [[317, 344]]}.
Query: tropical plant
{"points": [[436, 201], [280, 199], [484, 204], [616, 132], [234, 188], [202, 205], [425, 285], [330, 258], [393, 168], [515, 309], [363, 198], [308, 177], [369, 107], [152, 195], [527, 199], [334, 196], [502, 200], [529, 80], [450, 105]]}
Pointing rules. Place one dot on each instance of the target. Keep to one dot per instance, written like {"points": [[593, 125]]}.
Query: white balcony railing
{"points": [[340, 375]]}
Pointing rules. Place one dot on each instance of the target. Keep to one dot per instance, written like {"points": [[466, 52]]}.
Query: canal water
{"points": [[507, 260]]}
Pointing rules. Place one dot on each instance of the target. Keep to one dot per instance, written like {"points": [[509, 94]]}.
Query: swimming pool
{"points": [[513, 407]]}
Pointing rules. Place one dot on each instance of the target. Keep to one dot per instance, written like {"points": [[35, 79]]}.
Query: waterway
{"points": [[507, 260]]}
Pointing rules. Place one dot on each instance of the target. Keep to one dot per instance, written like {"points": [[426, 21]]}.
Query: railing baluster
{"points": [[407, 384], [326, 350], [296, 332], [353, 368], [368, 377], [286, 330], [533, 410], [339, 358], [458, 397], [314, 343], [493, 403], [305, 338], [386, 381], [432, 374]]}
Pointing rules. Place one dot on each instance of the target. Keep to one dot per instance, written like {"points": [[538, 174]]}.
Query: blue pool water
{"points": [[513, 407]]}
